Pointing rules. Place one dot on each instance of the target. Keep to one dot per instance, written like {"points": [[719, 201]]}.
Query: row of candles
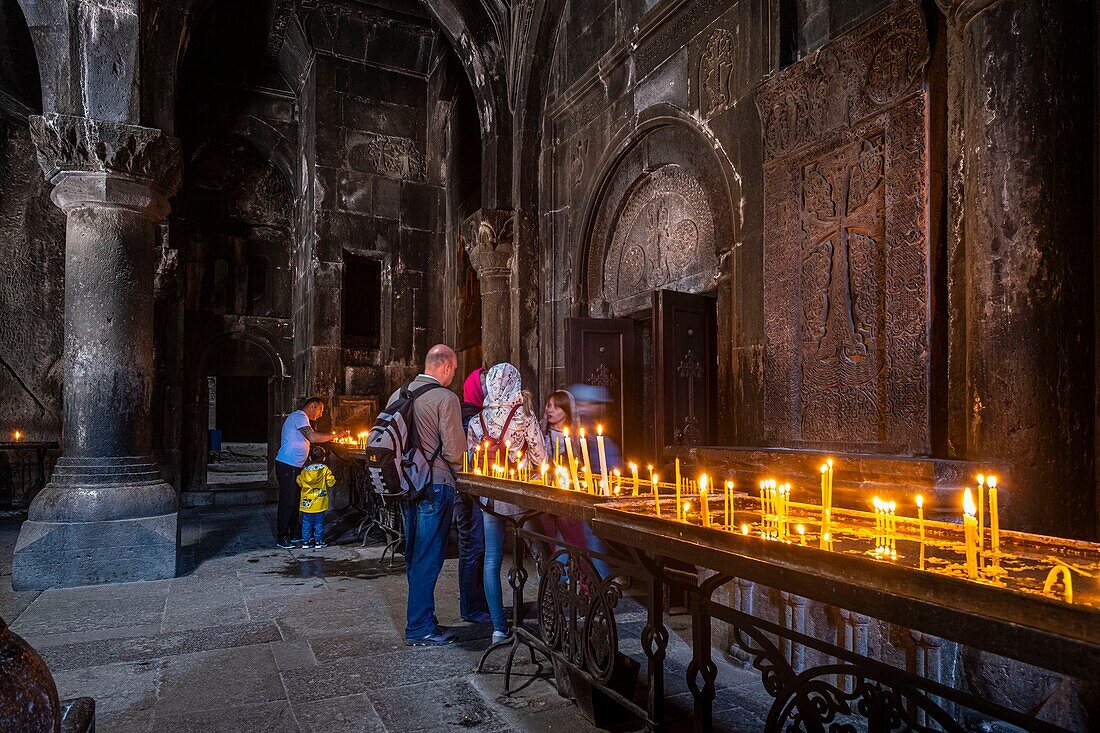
{"points": [[775, 499]]}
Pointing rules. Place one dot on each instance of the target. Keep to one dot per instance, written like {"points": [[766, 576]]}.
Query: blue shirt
{"points": [[294, 448]]}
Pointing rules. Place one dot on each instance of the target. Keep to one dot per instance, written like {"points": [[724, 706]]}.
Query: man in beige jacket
{"points": [[438, 417]]}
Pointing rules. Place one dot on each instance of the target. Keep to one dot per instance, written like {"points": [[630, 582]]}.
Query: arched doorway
{"points": [[657, 225]]}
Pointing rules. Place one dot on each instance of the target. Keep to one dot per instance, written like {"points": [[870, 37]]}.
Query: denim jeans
{"points": [[427, 523], [471, 556], [494, 558], [289, 497], [313, 526]]}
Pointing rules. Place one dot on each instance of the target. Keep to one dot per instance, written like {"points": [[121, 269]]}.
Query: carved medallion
{"points": [[664, 234]]}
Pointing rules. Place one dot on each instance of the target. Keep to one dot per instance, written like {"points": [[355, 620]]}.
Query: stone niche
{"points": [[847, 313]]}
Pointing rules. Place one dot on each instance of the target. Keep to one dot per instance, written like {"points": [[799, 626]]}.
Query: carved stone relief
{"points": [[846, 247], [663, 234], [717, 80], [397, 157]]}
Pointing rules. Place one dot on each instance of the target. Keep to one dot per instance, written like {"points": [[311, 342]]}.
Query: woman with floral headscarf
{"points": [[504, 419]]}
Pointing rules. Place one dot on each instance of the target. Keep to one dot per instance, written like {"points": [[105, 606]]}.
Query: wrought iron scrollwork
{"points": [[576, 613]]}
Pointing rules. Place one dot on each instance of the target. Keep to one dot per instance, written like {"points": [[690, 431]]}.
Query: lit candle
{"points": [[507, 450], [877, 504], [994, 518], [970, 528], [981, 520], [634, 476], [18, 435], [704, 502], [744, 529], [801, 535], [677, 488], [618, 483], [656, 493], [572, 461], [603, 454], [591, 486], [920, 516], [485, 457], [557, 447], [543, 469], [521, 470], [466, 462], [892, 527], [684, 512], [729, 504]]}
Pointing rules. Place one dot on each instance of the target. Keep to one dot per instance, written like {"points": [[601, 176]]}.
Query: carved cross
{"points": [[844, 213], [691, 370]]}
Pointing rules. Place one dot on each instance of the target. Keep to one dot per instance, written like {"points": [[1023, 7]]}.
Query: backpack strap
{"points": [[414, 434], [503, 429]]}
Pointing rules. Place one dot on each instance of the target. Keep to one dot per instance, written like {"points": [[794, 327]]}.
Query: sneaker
{"points": [[297, 541], [478, 618], [499, 636], [285, 543], [320, 543], [439, 637], [308, 544]]}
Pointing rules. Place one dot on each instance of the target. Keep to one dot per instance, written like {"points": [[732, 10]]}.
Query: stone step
{"points": [[237, 495]]}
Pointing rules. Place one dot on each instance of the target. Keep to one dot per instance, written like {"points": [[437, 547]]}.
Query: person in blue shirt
{"points": [[297, 437]]}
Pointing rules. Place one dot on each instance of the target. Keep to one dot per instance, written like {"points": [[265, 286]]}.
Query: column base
{"points": [[64, 554]]}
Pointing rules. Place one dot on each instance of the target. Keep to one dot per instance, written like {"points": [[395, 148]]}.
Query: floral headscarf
{"points": [[502, 393]]}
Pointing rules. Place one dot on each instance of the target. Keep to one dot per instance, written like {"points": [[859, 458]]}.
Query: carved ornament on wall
{"points": [[717, 73], [846, 241], [663, 234], [397, 157]]}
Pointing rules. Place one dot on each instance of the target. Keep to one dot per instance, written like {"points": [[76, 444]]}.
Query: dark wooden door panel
{"points": [[686, 368], [603, 352]]}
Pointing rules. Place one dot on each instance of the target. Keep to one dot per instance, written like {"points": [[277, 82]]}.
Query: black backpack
{"points": [[396, 464]]}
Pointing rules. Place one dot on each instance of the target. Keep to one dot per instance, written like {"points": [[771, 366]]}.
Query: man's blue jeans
{"points": [[471, 553], [427, 523], [494, 558]]}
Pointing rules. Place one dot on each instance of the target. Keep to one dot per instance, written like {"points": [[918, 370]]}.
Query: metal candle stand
{"points": [[577, 631]]}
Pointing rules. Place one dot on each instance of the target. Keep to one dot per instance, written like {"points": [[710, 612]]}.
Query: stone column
{"points": [[488, 236], [106, 516], [1026, 170]]}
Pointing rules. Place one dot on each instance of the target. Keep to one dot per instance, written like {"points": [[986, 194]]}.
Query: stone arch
{"points": [[687, 186], [19, 69]]}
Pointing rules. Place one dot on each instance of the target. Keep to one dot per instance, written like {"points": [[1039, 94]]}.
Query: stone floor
{"points": [[253, 638]]}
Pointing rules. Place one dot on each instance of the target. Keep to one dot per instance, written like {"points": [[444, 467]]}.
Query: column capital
{"points": [[488, 237], [107, 162]]}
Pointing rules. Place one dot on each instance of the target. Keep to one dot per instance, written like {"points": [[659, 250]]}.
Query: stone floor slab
{"points": [[221, 679], [349, 714], [121, 687], [449, 705], [272, 717]]}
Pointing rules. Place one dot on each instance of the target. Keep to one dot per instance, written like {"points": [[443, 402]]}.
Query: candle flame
{"points": [[633, 466], [981, 479], [991, 482], [729, 484], [582, 433], [824, 467], [599, 429], [893, 506], [655, 477], [18, 434], [744, 529], [801, 529], [968, 502], [565, 432], [829, 463], [920, 501], [703, 484], [687, 507], [544, 467]]}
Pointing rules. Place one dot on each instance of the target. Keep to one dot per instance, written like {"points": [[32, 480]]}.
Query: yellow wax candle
{"points": [[617, 488], [587, 463], [994, 518], [543, 470], [634, 476], [678, 515], [729, 504], [656, 493], [704, 500], [744, 529], [877, 504], [572, 461], [970, 528], [557, 448], [507, 450], [684, 512], [466, 462], [920, 517], [801, 535], [602, 453], [981, 519], [763, 504], [1067, 580], [485, 457], [893, 529]]}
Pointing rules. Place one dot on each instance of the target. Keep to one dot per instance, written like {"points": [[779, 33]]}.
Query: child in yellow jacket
{"points": [[315, 480]]}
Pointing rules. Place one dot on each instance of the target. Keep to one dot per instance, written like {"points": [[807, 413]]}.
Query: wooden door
{"points": [[603, 352], [685, 344]]}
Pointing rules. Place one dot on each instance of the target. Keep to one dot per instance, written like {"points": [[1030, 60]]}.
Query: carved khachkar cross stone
{"points": [[603, 377], [846, 242]]}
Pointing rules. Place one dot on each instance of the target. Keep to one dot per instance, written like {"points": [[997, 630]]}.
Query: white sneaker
{"points": [[499, 636]]}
